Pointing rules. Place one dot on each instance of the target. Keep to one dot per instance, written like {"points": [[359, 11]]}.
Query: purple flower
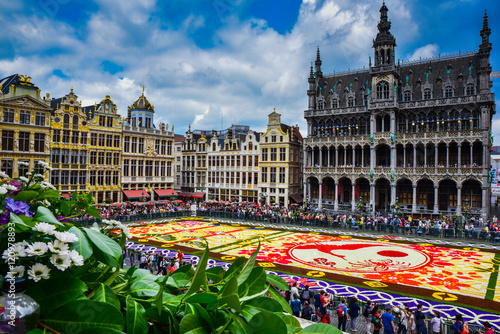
{"points": [[17, 207], [4, 219], [17, 184], [63, 219]]}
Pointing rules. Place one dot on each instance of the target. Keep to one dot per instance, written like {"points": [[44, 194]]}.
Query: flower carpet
{"points": [[448, 273]]}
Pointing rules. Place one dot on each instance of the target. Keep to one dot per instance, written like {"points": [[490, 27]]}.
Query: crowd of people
{"points": [[156, 263], [392, 319]]}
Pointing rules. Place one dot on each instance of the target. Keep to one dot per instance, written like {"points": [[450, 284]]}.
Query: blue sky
{"points": [[214, 62]]}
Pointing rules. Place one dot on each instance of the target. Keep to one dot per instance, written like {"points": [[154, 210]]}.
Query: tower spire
{"points": [[317, 64]]}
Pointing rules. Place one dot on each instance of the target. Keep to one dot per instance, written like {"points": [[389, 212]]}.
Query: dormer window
{"points": [[320, 105], [383, 90], [427, 94], [407, 96], [350, 102], [469, 90], [448, 92], [335, 103]]}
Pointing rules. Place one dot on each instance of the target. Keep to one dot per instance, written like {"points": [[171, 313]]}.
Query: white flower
{"points": [[14, 252], [3, 190], [44, 228], [95, 229], [10, 187], [43, 163], [23, 163], [111, 222], [76, 258], [38, 271], [37, 248], [23, 243], [3, 174], [24, 179], [61, 261], [46, 184], [49, 168], [38, 176], [66, 237], [58, 247], [15, 272], [28, 174]]}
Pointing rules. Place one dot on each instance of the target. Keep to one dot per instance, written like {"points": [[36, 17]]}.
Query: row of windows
{"points": [[105, 158], [73, 137], [136, 145], [68, 177], [106, 121], [7, 167], [233, 161], [66, 119], [271, 176], [238, 178], [99, 178], [24, 117], [273, 155], [23, 143], [146, 168], [67, 156], [104, 140]]}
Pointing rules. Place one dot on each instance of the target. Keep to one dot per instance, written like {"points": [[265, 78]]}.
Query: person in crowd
{"points": [[353, 313], [377, 319], [324, 309], [294, 290], [402, 321], [487, 329], [436, 323], [144, 261], [421, 323], [342, 314], [367, 314], [388, 321], [458, 324], [132, 259], [307, 311], [317, 300], [305, 295], [411, 320], [295, 304]]}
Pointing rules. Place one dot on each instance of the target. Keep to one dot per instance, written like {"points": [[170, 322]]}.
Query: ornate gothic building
{"points": [[416, 134]]}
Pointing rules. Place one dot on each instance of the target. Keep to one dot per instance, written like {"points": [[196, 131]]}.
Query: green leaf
{"points": [[26, 195], [36, 331], [191, 324], [91, 211], [235, 268], [20, 224], [215, 274], [278, 282], [230, 287], [249, 265], [279, 298], [109, 250], [199, 278], [56, 292], [100, 331], [238, 325], [84, 314], [232, 301], [45, 215], [136, 317], [292, 324], [321, 329], [254, 283], [106, 295], [202, 298], [144, 288], [49, 194], [267, 322], [265, 304], [83, 245]]}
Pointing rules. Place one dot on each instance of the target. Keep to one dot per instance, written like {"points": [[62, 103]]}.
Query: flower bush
{"points": [[75, 274]]}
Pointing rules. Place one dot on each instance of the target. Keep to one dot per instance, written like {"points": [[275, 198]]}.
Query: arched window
{"points": [[75, 122], [350, 102], [66, 119], [320, 105], [469, 90], [448, 92], [427, 94], [250, 146], [383, 90], [407, 96], [213, 147], [335, 103]]}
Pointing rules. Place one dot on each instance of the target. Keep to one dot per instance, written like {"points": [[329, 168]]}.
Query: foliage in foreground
{"points": [[75, 274]]}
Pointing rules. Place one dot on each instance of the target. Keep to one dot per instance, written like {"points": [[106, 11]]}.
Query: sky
{"points": [[213, 63]]}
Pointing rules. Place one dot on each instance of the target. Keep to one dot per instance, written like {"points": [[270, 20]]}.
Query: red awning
{"points": [[198, 195], [66, 195], [165, 192], [131, 194]]}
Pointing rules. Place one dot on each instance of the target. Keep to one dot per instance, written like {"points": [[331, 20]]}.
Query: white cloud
{"points": [[428, 51]]}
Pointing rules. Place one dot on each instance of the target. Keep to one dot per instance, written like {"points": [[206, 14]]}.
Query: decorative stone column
{"points": [[353, 196], [459, 200], [414, 200], [436, 202], [336, 205], [320, 195]]}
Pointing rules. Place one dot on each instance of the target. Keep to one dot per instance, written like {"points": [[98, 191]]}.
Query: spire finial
{"points": [[143, 86], [189, 128], [274, 109], [485, 20]]}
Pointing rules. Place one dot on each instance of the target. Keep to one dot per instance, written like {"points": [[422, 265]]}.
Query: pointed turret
{"points": [[385, 43], [311, 91], [484, 58], [317, 64]]}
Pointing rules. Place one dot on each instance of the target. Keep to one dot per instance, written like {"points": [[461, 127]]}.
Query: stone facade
{"points": [[415, 134]]}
